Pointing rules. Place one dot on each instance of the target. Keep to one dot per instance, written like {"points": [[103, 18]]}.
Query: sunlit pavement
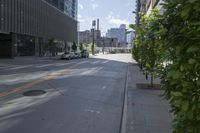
{"points": [[83, 96]]}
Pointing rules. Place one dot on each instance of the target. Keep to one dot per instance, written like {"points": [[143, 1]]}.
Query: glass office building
{"points": [[27, 25], [69, 7]]}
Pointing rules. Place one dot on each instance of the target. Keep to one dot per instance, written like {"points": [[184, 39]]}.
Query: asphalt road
{"points": [[82, 96]]}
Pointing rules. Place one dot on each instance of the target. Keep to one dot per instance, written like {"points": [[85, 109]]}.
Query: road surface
{"points": [[82, 96]]}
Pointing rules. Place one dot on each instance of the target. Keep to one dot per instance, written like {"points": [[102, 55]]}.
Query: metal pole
{"points": [[93, 27], [103, 45], [93, 41]]}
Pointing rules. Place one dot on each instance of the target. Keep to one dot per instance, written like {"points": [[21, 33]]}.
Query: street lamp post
{"points": [[93, 28], [103, 45]]}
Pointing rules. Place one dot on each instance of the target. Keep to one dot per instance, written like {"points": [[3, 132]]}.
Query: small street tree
{"points": [[74, 47], [147, 47], [81, 46], [93, 49], [52, 46]]}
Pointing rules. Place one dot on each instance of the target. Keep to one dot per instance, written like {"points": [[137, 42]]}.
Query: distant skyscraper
{"points": [[119, 33]]}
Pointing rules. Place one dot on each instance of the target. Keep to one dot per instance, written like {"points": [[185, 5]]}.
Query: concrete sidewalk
{"points": [[146, 111]]}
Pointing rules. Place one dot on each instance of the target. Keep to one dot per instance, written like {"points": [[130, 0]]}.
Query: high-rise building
{"points": [[27, 25], [119, 33], [69, 7], [145, 6], [150, 4]]}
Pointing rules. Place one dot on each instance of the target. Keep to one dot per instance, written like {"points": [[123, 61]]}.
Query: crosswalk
{"points": [[10, 67]]}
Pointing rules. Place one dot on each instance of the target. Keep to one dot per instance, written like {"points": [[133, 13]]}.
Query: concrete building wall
{"points": [[86, 37], [107, 42]]}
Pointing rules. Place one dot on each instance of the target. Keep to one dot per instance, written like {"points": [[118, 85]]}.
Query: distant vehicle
{"points": [[72, 55], [112, 52], [84, 54], [77, 55], [66, 55]]}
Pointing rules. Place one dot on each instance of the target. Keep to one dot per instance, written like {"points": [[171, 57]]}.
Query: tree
{"points": [[181, 76], [81, 46], [52, 46], [147, 48], [169, 45], [92, 49], [74, 47]]}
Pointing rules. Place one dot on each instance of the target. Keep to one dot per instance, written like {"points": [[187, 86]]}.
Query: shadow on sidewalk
{"points": [[147, 112]]}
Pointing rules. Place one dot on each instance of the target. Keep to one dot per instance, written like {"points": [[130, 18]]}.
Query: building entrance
{"points": [[5, 46]]}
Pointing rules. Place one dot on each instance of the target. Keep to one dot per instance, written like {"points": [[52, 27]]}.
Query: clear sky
{"points": [[111, 13]]}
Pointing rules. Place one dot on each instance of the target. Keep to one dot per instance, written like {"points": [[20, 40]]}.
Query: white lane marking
{"points": [[92, 111], [104, 87], [105, 62], [82, 62], [95, 62], [20, 67], [46, 65]]}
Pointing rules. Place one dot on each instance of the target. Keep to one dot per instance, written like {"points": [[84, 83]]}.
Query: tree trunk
{"points": [[152, 81]]}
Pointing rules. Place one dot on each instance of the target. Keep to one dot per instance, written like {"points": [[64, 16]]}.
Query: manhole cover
{"points": [[34, 93]]}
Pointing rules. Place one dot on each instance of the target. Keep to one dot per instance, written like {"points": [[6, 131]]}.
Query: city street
{"points": [[82, 95]]}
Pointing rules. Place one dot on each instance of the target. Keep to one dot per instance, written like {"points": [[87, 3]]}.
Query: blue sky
{"points": [[111, 13]]}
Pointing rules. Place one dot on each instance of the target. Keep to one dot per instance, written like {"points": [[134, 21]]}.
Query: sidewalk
{"points": [[146, 111]]}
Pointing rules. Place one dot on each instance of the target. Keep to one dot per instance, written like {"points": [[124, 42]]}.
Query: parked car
{"points": [[112, 52], [84, 54], [72, 55], [66, 55], [77, 54]]}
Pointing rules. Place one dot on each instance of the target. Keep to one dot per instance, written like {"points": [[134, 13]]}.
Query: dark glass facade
{"points": [[21, 20], [69, 7]]}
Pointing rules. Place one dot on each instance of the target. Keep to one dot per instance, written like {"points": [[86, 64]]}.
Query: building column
{"points": [[13, 51], [37, 47]]}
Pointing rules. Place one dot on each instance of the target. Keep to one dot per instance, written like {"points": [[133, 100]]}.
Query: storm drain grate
{"points": [[34, 93]]}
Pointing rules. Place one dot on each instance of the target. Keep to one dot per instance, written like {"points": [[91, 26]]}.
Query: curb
{"points": [[124, 108]]}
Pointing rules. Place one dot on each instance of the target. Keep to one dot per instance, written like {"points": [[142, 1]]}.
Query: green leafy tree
{"points": [[153, 49], [181, 75], [74, 47], [52, 46], [169, 45], [147, 48], [93, 49], [81, 46]]}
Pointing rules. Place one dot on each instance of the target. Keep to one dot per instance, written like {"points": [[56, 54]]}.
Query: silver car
{"points": [[66, 55], [77, 54]]}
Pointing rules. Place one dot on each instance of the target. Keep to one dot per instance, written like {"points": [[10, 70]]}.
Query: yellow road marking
{"points": [[33, 83]]}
